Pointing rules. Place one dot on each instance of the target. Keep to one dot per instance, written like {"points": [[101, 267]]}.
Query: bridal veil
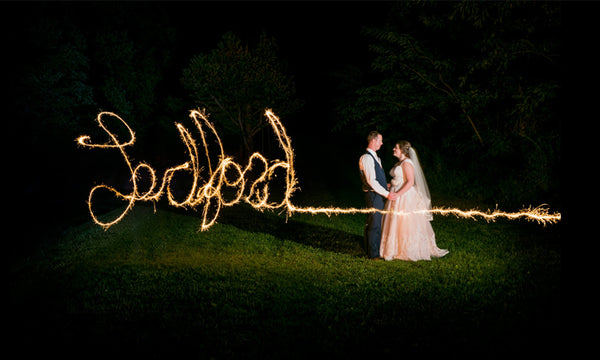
{"points": [[420, 182]]}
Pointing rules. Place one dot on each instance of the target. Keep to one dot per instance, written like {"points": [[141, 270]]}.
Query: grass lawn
{"points": [[256, 285]]}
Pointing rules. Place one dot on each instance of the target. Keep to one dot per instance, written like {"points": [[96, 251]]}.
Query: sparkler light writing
{"points": [[210, 194]]}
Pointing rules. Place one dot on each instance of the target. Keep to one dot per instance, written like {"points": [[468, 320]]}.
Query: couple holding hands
{"points": [[404, 230]]}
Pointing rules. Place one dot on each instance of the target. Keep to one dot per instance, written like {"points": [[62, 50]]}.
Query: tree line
{"points": [[475, 86]]}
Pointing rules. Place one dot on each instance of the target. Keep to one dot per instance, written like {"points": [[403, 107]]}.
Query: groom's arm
{"points": [[367, 166]]}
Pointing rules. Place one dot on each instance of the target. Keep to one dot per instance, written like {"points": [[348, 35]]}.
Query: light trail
{"points": [[540, 214], [209, 195]]}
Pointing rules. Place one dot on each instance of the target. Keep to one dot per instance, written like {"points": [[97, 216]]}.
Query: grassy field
{"points": [[256, 285]]}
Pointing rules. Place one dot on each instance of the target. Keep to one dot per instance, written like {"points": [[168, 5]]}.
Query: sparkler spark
{"points": [[210, 194], [540, 214]]}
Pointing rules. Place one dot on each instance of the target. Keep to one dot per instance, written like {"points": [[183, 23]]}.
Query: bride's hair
{"points": [[404, 147]]}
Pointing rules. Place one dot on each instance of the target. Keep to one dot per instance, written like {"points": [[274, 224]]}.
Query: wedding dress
{"points": [[409, 236]]}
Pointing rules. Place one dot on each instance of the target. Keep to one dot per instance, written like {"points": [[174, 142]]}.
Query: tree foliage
{"points": [[236, 84], [72, 68], [54, 86], [476, 81], [128, 77]]}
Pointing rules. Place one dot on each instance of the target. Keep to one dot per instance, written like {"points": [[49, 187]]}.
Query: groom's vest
{"points": [[379, 175]]}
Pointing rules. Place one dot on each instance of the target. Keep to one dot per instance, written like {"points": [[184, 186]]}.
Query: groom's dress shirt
{"points": [[367, 166]]}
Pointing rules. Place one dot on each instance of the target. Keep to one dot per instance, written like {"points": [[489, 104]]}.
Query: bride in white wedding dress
{"points": [[408, 235]]}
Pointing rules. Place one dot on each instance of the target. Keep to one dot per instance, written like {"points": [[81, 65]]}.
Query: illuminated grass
{"points": [[257, 285]]}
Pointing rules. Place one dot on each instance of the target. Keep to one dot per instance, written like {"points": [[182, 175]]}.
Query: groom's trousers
{"points": [[373, 226]]}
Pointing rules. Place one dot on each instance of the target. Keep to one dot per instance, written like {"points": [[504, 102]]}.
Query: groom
{"points": [[376, 189]]}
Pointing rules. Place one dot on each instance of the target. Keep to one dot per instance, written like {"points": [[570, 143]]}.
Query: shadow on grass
{"points": [[248, 219], [288, 229]]}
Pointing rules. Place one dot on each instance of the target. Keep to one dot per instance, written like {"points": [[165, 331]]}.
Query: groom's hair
{"points": [[372, 135]]}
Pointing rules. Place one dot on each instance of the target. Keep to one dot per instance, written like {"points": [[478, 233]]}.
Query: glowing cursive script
{"points": [[208, 195]]}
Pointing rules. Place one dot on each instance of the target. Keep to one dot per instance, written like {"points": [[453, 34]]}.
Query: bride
{"points": [[407, 234]]}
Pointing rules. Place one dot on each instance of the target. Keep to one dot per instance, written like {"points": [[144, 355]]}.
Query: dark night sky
{"points": [[314, 37], [309, 33]]}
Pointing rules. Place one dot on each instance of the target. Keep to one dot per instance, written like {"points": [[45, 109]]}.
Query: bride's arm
{"points": [[410, 177]]}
